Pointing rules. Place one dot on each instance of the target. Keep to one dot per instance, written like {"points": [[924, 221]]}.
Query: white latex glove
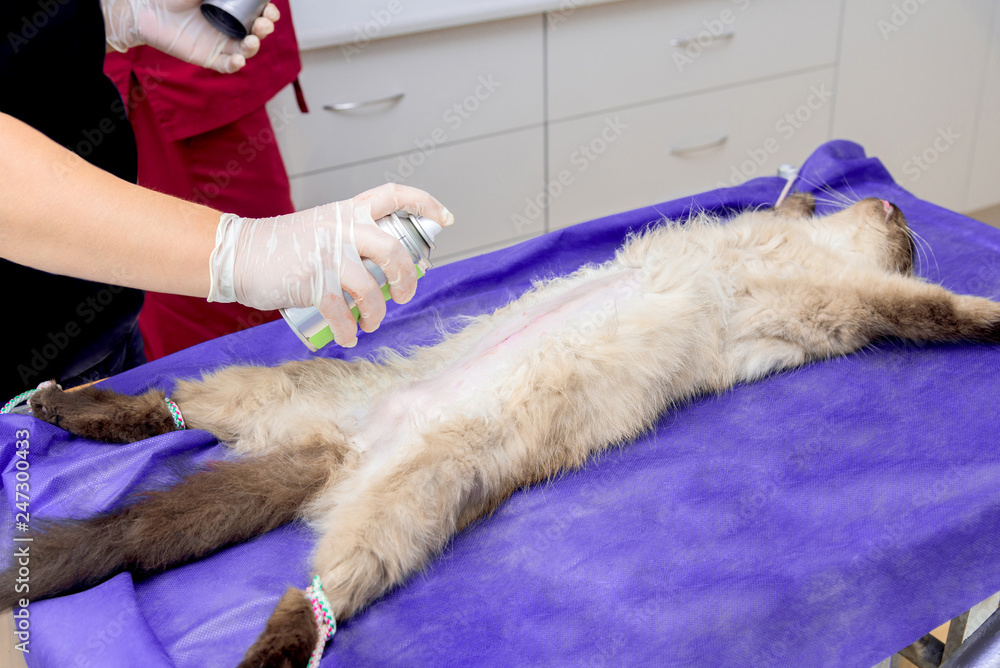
{"points": [[309, 258], [178, 28]]}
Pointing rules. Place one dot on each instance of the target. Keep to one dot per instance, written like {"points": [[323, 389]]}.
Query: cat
{"points": [[388, 459]]}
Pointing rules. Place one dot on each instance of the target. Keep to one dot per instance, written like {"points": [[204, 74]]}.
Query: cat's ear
{"points": [[797, 205]]}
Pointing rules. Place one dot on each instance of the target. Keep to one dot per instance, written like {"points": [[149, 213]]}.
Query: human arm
{"points": [[62, 215]]}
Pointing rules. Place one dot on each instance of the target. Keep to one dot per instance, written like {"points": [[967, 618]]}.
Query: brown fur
{"points": [[289, 637], [797, 205], [389, 460], [228, 503], [104, 415]]}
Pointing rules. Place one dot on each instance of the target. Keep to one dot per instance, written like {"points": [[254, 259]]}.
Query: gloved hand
{"points": [[178, 28], [310, 257]]}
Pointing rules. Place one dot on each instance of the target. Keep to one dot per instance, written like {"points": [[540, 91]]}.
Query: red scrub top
{"points": [[206, 137], [189, 100]]}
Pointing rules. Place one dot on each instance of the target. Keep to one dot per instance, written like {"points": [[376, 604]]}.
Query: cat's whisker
{"points": [[918, 249], [858, 197], [830, 202], [828, 189], [848, 201], [839, 199], [928, 249]]}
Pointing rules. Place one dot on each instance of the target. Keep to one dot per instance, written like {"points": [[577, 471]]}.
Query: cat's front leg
{"points": [[103, 415], [910, 309], [814, 320], [797, 205]]}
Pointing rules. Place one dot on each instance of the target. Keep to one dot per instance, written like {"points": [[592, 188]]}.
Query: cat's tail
{"points": [[229, 502]]}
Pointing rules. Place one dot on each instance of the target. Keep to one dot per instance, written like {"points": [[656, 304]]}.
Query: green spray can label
{"points": [[417, 235]]}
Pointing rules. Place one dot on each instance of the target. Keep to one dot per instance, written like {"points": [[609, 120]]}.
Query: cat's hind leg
{"points": [[103, 415], [231, 403], [382, 525], [229, 502], [226, 403]]}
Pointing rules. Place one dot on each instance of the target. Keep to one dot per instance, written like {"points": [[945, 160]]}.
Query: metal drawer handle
{"points": [[703, 40], [683, 150], [347, 106]]}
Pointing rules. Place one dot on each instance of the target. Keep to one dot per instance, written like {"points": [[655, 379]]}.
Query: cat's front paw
{"points": [[797, 205], [102, 415], [289, 638]]}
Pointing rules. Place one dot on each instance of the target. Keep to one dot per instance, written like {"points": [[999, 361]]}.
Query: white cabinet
{"points": [[413, 93], [656, 152], [909, 86], [536, 121], [483, 182], [612, 55], [984, 181]]}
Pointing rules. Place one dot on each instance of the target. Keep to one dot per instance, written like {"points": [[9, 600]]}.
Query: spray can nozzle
{"points": [[233, 18]]}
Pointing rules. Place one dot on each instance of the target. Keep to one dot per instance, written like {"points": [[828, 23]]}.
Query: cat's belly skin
{"points": [[468, 386]]}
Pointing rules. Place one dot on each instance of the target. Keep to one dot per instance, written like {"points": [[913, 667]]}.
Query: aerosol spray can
{"points": [[233, 18], [417, 236]]}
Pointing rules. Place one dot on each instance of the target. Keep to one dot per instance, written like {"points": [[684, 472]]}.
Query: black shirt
{"points": [[51, 61]]}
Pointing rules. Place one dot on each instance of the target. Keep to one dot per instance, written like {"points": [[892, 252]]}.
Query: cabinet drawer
{"points": [[482, 182], [618, 161], [620, 54], [436, 88]]}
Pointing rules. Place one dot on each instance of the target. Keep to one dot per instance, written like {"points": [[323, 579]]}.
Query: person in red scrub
{"points": [[206, 137]]}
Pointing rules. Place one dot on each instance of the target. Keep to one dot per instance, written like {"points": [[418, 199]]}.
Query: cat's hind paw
{"points": [[103, 415], [289, 638]]}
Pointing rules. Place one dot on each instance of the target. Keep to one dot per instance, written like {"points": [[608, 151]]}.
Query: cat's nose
{"points": [[887, 206]]}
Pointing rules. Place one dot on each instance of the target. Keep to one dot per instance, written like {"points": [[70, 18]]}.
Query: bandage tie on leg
{"points": [[24, 396], [325, 622], [175, 413]]}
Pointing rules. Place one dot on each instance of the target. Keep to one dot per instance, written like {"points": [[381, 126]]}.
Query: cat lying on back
{"points": [[388, 460]]}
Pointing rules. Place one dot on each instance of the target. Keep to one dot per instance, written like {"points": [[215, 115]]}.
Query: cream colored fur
{"points": [[441, 435]]}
